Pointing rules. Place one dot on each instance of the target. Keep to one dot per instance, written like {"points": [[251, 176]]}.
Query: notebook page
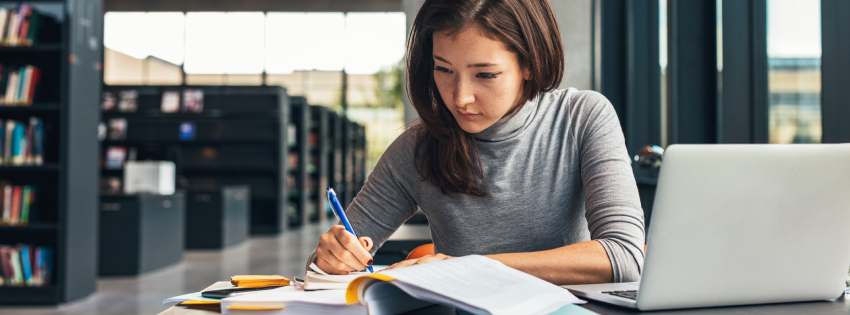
{"points": [[481, 285]]}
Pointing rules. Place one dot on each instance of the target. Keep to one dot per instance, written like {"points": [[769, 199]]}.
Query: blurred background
{"points": [[150, 148]]}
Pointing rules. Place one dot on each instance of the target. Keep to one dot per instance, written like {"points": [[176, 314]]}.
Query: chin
{"points": [[472, 127]]}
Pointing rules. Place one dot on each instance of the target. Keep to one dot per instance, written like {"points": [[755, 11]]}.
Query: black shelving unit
{"points": [[319, 146], [238, 138], [63, 217], [334, 154], [354, 158], [347, 165], [359, 157], [299, 124]]}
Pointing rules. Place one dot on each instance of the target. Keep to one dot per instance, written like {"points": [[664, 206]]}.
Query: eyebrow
{"points": [[474, 65]]}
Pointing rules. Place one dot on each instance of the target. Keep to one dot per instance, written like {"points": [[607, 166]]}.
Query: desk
{"points": [[840, 306]]}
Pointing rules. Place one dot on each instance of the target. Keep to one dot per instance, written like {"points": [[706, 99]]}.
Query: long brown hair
{"points": [[446, 155]]}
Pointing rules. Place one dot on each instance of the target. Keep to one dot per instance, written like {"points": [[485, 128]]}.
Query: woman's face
{"points": [[478, 78]]}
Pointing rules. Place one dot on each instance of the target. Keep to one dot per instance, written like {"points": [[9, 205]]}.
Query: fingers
{"points": [[403, 263], [430, 258], [366, 242], [419, 261], [333, 257], [330, 264], [354, 250]]}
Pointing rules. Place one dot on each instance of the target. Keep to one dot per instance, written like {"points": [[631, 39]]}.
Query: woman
{"points": [[502, 164]]}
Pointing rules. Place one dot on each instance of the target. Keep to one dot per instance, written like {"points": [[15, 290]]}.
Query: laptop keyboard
{"points": [[628, 294]]}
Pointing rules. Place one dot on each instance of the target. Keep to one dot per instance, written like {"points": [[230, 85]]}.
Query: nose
{"points": [[464, 95]]}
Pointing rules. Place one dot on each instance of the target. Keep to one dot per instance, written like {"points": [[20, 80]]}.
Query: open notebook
{"points": [[317, 280], [476, 284]]}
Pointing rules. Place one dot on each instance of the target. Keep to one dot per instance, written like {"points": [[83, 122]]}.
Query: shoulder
{"points": [[399, 155], [579, 107]]}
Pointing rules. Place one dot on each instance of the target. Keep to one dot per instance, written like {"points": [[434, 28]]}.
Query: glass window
{"points": [[794, 76], [143, 55], [305, 41], [225, 42]]}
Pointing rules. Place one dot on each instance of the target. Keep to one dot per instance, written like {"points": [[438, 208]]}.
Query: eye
{"points": [[487, 75], [442, 69]]}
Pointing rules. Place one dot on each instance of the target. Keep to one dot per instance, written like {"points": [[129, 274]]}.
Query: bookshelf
{"points": [[334, 154], [359, 157], [354, 158], [320, 145], [58, 61], [237, 135], [299, 125]]}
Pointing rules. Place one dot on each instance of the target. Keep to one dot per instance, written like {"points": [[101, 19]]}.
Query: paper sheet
{"points": [[476, 283]]}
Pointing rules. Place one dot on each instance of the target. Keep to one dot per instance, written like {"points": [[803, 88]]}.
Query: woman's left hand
{"points": [[419, 261]]}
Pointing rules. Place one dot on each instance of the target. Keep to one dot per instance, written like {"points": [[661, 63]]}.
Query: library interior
{"points": [[216, 157]]}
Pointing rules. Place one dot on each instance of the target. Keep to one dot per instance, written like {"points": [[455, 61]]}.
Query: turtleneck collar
{"points": [[511, 125]]}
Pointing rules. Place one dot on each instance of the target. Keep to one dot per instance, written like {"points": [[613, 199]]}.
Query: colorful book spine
{"points": [[22, 143], [19, 27], [16, 204], [18, 84], [25, 265]]}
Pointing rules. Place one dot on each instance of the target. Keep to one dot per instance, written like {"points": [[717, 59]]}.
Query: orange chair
{"points": [[422, 251]]}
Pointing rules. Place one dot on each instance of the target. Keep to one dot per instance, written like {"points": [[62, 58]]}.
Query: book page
{"points": [[482, 286]]}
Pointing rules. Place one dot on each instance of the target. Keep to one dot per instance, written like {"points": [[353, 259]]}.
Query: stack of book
{"points": [[21, 143], [25, 265], [17, 84], [16, 204], [19, 27]]}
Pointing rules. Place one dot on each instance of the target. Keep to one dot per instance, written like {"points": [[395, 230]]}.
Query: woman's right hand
{"points": [[339, 252]]}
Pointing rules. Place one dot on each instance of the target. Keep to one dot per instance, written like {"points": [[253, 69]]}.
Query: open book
{"points": [[475, 284], [317, 280]]}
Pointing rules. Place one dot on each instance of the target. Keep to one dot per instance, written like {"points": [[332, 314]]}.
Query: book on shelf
{"points": [[115, 157], [25, 265], [170, 102], [293, 161], [16, 204], [21, 143], [108, 101], [18, 84], [128, 100], [313, 138], [111, 185], [21, 26], [291, 136], [187, 131], [193, 100], [117, 129]]}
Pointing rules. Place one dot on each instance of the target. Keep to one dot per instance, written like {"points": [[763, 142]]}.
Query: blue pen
{"points": [[337, 208]]}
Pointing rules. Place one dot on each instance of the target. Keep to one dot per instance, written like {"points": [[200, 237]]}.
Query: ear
{"points": [[526, 74]]}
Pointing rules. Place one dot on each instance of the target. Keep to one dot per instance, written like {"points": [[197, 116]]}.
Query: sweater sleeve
{"points": [[386, 200], [612, 204]]}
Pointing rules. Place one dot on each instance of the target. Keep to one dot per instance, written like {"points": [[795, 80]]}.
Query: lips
{"points": [[468, 115]]}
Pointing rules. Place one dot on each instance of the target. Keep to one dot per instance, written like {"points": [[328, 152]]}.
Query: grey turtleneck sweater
{"points": [[557, 172]]}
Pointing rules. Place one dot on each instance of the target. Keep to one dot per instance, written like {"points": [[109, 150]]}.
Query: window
{"points": [[143, 55], [794, 75]]}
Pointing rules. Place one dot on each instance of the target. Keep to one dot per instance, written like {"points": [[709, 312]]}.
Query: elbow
{"points": [[626, 259]]}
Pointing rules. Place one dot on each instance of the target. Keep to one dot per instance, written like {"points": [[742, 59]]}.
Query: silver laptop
{"points": [[743, 224]]}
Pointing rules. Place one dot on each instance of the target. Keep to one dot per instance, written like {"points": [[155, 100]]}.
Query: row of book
{"points": [[18, 83], [25, 265], [127, 101], [22, 143], [19, 27], [16, 202]]}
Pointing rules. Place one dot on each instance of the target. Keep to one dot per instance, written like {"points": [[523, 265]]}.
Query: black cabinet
{"points": [[217, 219], [140, 233]]}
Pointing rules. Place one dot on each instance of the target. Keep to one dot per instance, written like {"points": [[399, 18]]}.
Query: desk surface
{"points": [[840, 306]]}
